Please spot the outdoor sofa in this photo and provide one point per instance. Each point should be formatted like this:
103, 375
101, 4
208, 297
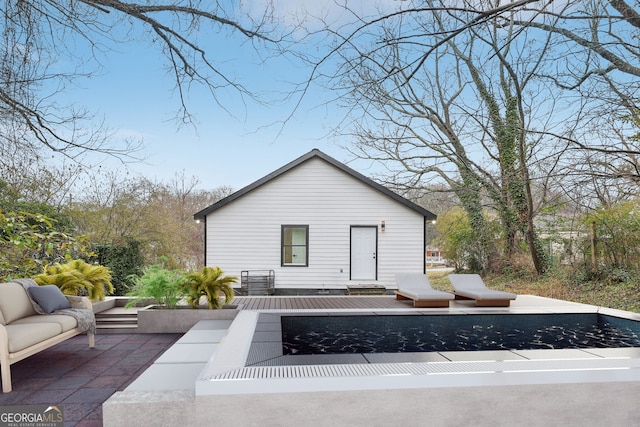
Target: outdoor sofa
32, 321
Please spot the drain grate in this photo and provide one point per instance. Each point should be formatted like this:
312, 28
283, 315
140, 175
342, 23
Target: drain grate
426, 368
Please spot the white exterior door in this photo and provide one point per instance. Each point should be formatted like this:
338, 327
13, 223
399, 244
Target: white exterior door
364, 253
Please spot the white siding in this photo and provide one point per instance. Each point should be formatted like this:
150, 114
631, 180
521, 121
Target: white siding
245, 234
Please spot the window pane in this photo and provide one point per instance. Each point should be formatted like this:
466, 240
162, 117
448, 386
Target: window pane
288, 255
295, 236
299, 255
299, 236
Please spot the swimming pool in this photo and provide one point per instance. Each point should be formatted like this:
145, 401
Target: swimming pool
250, 361
469, 332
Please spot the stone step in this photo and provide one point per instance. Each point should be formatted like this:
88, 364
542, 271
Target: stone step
116, 316
119, 311
116, 326
117, 320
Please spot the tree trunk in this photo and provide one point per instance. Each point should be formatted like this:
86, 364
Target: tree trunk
594, 258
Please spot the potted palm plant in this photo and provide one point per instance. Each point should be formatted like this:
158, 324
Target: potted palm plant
210, 283
78, 277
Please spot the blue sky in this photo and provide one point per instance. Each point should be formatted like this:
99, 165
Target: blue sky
135, 96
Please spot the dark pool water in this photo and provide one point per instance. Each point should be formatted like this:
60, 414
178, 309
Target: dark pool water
409, 333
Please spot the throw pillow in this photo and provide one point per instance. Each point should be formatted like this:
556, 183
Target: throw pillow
49, 297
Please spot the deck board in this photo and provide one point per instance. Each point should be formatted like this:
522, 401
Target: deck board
319, 302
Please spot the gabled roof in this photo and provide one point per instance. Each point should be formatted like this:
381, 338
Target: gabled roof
314, 154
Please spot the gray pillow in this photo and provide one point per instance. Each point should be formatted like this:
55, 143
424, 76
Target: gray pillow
49, 297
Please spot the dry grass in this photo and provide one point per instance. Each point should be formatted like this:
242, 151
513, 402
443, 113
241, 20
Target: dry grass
622, 296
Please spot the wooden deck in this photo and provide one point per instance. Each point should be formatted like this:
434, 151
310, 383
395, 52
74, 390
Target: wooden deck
319, 302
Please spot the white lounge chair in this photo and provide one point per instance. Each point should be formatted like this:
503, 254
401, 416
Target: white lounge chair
416, 287
471, 286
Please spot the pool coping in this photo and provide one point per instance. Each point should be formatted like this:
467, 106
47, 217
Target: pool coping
230, 372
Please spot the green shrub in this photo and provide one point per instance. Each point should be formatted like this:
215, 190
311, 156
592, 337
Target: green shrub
29, 241
604, 274
125, 260
159, 284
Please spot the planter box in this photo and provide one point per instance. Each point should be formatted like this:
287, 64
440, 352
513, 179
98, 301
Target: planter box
159, 320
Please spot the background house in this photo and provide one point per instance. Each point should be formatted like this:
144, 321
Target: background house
434, 257
319, 226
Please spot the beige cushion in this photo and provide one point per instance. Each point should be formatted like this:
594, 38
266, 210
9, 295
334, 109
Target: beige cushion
14, 302
2, 322
66, 322
23, 336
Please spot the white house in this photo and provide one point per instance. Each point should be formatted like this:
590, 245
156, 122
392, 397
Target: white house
319, 226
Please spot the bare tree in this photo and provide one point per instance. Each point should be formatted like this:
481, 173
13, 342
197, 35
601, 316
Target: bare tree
557, 97
38, 36
462, 116
596, 60
158, 215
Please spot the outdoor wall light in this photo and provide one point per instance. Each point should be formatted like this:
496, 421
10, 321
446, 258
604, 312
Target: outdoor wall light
382, 226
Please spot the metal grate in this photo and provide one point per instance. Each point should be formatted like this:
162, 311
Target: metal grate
424, 368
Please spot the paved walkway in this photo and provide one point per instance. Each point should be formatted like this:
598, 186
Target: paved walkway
79, 379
